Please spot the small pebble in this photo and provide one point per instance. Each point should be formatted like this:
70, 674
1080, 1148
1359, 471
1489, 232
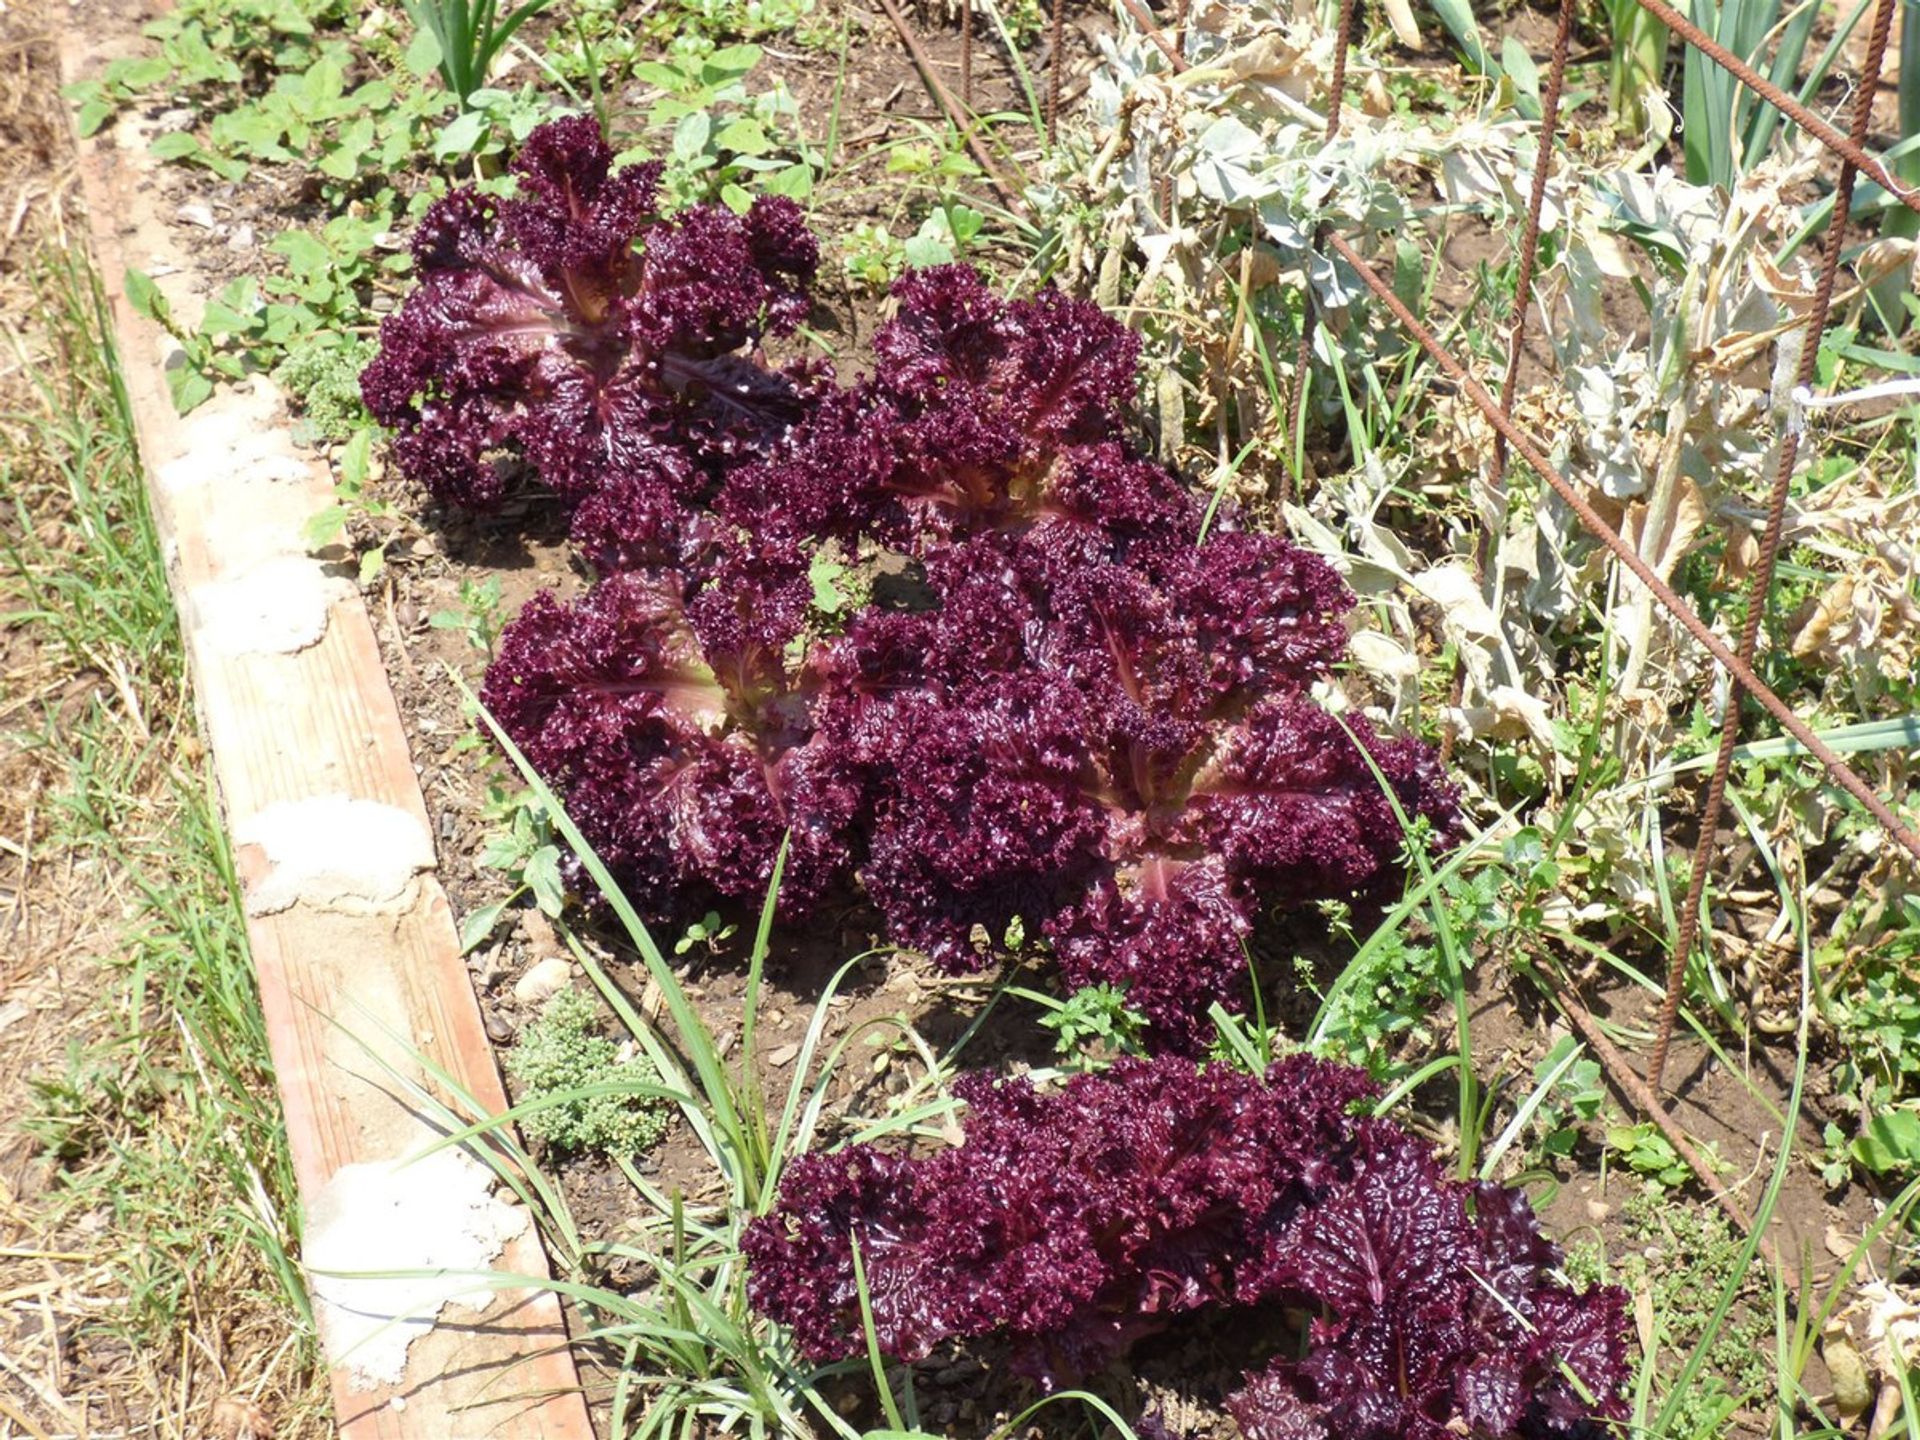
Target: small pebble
242, 239
545, 979
499, 1029
195, 212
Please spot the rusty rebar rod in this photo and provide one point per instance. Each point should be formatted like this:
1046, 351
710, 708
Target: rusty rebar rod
1530, 236
1056, 45
1522, 304
956, 116
1635, 1089
966, 56
1760, 584
1530, 452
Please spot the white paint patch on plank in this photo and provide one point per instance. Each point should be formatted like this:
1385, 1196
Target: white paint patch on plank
335, 852
377, 1219
279, 607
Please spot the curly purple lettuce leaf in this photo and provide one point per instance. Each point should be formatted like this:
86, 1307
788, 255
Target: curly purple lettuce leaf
677, 733
1072, 1223
537, 329
983, 415
1436, 1313
1127, 764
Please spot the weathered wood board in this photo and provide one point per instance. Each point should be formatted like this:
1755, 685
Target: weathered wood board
360, 972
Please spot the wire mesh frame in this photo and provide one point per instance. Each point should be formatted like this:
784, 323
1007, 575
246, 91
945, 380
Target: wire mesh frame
1855, 160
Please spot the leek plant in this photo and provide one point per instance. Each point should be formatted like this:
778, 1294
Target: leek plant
1726, 128
1636, 69
462, 38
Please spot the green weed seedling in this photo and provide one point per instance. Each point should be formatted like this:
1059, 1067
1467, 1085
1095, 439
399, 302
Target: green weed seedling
1647, 1152
1683, 1257
1387, 993
1573, 1093
311, 305
1093, 1026
321, 375
478, 617
302, 106
871, 256
190, 382
1889, 1144
793, 20
524, 850
352, 501
944, 236
209, 48
722, 137
709, 930
493, 123
1567, 1092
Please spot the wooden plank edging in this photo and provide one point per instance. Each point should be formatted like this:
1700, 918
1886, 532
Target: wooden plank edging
352, 937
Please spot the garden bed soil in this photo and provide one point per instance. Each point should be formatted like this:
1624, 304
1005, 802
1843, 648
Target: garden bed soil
1182, 1376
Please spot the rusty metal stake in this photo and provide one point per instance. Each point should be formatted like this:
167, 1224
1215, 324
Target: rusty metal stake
966, 56
1760, 586
1621, 1073
1056, 43
1522, 305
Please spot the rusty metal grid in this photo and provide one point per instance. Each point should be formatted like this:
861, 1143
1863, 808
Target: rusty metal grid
1854, 159
1849, 149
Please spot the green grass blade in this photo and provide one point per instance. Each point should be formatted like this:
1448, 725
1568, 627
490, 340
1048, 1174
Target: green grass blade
749, 1083
716, 1084
874, 1358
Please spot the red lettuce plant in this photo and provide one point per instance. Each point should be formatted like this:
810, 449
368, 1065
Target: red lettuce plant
1070, 1224
537, 327
670, 712
1097, 724
1124, 759
983, 415
1071, 711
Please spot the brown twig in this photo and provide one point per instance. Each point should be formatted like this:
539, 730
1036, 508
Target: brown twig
956, 116
1529, 450
1760, 586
